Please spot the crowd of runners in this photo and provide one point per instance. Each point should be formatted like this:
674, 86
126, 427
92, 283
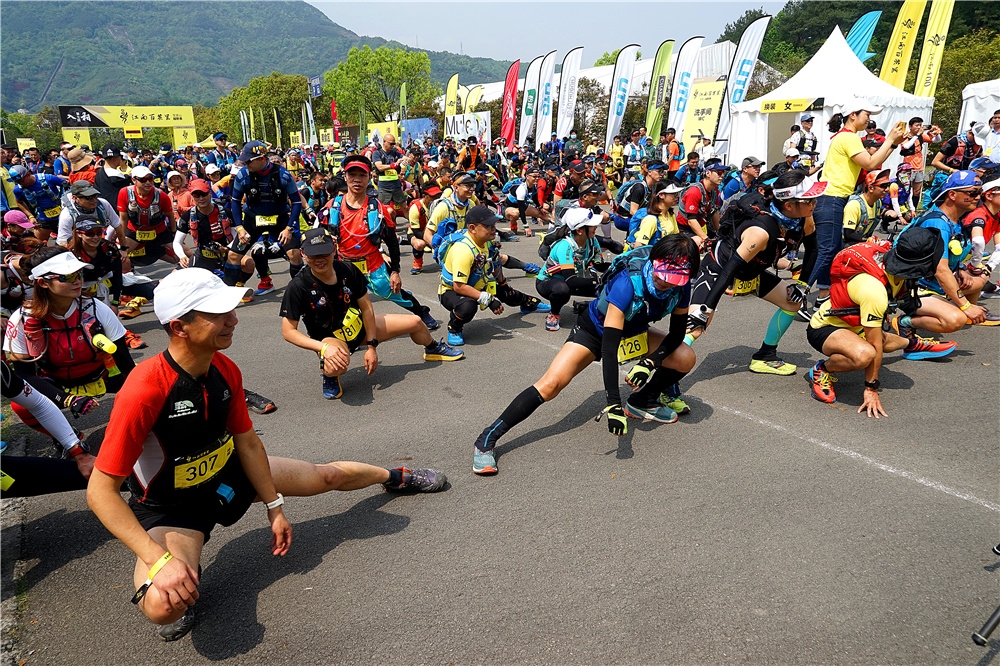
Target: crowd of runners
873, 260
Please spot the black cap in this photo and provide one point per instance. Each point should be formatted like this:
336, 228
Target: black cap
317, 242
916, 253
111, 150
577, 166
472, 141
589, 187
481, 215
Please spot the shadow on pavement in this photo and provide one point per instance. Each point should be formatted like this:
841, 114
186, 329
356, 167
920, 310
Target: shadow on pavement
575, 419
359, 387
244, 567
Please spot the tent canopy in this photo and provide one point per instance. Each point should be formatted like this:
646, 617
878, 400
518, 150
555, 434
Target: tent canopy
834, 74
979, 101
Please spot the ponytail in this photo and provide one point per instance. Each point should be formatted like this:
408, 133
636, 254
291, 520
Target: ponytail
836, 122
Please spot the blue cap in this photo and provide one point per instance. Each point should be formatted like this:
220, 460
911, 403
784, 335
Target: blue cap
655, 165
960, 180
983, 163
252, 150
219, 135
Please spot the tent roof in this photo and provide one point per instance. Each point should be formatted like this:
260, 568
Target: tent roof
836, 74
982, 89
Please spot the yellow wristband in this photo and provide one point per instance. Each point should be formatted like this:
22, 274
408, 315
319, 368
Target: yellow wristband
155, 569
322, 352
963, 308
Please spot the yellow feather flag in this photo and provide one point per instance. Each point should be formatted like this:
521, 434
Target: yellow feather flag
934, 39
472, 99
451, 97
897, 54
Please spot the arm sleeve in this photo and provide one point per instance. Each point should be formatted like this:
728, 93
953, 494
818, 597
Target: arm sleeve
179, 243
810, 252
734, 265
295, 202
609, 364
116, 274
672, 340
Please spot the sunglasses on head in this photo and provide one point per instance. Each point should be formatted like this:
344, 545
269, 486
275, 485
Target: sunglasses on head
65, 279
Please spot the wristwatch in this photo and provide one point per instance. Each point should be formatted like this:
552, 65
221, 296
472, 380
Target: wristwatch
873, 385
77, 449
373, 343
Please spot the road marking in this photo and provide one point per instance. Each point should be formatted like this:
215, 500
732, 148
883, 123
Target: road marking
930, 483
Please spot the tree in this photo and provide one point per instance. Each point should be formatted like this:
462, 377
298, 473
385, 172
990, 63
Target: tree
610, 58
734, 30
371, 80
964, 62
285, 92
591, 114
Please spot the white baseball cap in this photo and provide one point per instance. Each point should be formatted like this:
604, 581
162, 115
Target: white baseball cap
578, 218
210, 169
64, 263
792, 152
190, 289
807, 189
862, 104
140, 172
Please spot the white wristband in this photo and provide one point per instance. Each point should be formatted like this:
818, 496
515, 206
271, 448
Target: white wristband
276, 503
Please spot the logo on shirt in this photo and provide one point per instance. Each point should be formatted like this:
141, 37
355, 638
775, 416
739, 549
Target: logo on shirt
183, 408
874, 317
226, 394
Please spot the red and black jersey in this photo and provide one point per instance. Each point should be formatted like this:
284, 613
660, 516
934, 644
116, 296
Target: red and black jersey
164, 418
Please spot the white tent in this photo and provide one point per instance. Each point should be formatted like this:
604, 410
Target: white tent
834, 74
979, 101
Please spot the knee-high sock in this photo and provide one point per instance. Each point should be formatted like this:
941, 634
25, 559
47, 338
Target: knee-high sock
231, 274
514, 262
293, 269
520, 409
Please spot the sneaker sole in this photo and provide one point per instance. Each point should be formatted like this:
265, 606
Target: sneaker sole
920, 356
439, 357
485, 471
968, 322
645, 416
775, 371
263, 293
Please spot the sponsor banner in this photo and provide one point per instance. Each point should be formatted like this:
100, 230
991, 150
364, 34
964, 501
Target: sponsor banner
24, 144
79, 136
707, 97
126, 116
569, 79
933, 51
470, 124
793, 105
658, 88
546, 97
377, 130
529, 101
184, 136
896, 62
621, 83
680, 90
417, 129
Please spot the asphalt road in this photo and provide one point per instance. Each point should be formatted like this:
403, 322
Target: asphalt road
764, 527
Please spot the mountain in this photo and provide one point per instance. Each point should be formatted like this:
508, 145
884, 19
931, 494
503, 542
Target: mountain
176, 52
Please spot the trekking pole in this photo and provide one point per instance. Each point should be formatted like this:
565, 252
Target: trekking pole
982, 636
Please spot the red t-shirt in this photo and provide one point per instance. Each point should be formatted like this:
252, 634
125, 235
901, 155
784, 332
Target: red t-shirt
143, 220
355, 244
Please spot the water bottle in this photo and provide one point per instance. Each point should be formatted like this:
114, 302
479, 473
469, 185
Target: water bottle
101, 341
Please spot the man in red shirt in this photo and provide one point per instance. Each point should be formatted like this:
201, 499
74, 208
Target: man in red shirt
700, 204
181, 435
149, 218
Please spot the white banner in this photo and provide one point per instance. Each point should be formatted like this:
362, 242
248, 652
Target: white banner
740, 74
621, 83
680, 90
530, 101
313, 138
546, 97
568, 81
465, 125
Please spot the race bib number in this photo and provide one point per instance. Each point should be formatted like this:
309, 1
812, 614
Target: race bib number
741, 287
351, 327
191, 471
360, 264
633, 347
52, 212
267, 220
211, 254
389, 174
145, 236
94, 389
138, 252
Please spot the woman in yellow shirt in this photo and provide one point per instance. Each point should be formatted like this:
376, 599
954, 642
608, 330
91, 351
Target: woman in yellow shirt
844, 161
660, 220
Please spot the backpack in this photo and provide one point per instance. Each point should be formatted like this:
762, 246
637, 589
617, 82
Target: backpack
511, 185
549, 239
373, 218
253, 187
854, 260
740, 208
682, 151
623, 192
634, 223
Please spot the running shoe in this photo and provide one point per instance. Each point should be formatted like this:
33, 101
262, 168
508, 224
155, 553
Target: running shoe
657, 412
532, 269
332, 388
265, 286
507, 237
672, 398
992, 319
535, 305
822, 383
134, 341
455, 339
418, 265
259, 403
430, 322
806, 312
180, 628
439, 351
773, 366
130, 311
908, 332
989, 294
483, 462
924, 348
552, 322
420, 480
249, 297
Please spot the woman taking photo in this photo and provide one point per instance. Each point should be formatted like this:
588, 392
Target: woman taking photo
845, 159
73, 341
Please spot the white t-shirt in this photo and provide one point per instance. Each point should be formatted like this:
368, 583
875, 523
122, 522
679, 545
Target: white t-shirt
66, 221
521, 192
14, 340
706, 152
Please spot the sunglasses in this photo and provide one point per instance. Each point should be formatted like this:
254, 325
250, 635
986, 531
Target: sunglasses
92, 197
92, 233
147, 179
972, 193
66, 279
199, 194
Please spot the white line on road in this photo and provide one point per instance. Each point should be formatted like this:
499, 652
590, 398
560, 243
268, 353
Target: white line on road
930, 483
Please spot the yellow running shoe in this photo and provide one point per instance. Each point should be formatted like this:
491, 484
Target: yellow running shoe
774, 366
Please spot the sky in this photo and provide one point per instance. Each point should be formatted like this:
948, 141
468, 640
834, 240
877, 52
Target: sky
502, 30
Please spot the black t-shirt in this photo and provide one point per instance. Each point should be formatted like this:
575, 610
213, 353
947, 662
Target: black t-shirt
637, 194
109, 186
322, 306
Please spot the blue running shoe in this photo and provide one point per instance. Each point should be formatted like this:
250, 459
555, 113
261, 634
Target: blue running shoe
455, 339
484, 463
332, 388
429, 321
532, 269
265, 286
657, 413
535, 305
439, 351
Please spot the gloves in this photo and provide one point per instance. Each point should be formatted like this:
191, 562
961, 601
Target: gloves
797, 291
79, 404
639, 374
484, 299
617, 423
699, 318
496, 306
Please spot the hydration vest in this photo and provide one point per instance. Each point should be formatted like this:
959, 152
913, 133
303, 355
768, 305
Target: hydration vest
859, 258
36, 197
68, 355
200, 226
623, 192
636, 221
865, 225
373, 220
709, 204
633, 262
155, 218
258, 192
481, 267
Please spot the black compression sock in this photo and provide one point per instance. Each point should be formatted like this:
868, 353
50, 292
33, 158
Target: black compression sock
395, 479
661, 380
417, 254
514, 262
293, 269
518, 410
766, 353
244, 276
